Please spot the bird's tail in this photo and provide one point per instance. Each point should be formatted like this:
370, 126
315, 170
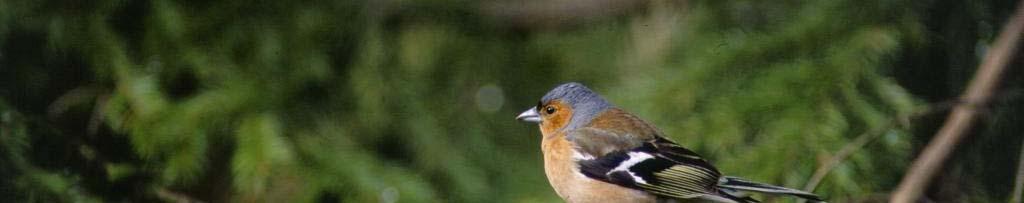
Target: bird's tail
746, 185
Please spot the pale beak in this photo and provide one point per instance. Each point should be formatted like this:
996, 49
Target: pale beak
530, 115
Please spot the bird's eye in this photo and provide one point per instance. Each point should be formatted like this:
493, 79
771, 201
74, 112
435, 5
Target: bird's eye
549, 110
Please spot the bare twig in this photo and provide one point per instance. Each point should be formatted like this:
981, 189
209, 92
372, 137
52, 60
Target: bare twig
71, 98
1018, 184
172, 196
864, 139
98, 111
845, 152
960, 120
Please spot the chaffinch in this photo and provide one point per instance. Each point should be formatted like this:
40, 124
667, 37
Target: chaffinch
596, 152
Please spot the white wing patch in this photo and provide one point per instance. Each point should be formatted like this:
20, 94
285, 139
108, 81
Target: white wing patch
579, 156
576, 155
634, 158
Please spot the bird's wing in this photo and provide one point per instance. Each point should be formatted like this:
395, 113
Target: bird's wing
661, 167
594, 142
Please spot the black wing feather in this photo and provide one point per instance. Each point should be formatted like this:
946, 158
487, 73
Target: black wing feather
601, 168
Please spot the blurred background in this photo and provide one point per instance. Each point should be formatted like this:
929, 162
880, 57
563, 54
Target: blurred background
413, 101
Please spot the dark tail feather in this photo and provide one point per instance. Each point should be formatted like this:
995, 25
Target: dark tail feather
745, 185
737, 196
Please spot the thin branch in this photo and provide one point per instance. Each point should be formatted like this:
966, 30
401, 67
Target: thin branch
77, 96
845, 152
98, 111
172, 196
862, 140
867, 137
978, 92
1018, 185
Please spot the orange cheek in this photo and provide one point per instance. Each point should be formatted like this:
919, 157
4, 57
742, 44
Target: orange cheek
551, 124
555, 121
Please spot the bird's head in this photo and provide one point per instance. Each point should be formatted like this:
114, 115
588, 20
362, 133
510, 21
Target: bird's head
567, 107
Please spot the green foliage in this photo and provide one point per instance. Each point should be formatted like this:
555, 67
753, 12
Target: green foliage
412, 101
20, 179
806, 88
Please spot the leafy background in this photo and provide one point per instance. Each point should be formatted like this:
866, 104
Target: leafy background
412, 101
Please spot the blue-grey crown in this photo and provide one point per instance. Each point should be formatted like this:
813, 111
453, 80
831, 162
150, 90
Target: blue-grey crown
586, 104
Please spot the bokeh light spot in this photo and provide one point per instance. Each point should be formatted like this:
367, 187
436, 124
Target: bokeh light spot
489, 98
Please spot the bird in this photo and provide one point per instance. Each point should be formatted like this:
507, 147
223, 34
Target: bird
596, 152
